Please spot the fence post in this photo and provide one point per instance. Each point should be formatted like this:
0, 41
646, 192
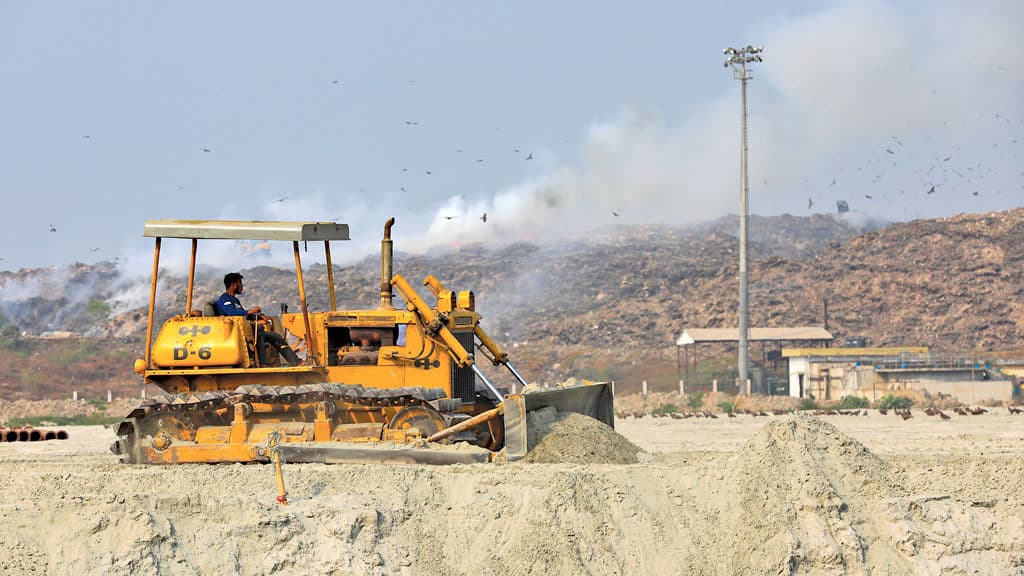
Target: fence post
613, 387
110, 396
74, 395
644, 387
682, 388
714, 385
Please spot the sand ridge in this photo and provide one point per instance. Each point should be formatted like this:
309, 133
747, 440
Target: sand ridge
792, 495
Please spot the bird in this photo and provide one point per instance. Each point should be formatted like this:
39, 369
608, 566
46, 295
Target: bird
810, 203
86, 136
206, 149
946, 159
450, 217
281, 200
833, 182
931, 190
428, 172
479, 159
405, 169
484, 217
402, 188
868, 196
334, 81
411, 123
53, 228
614, 213
889, 150
530, 156
94, 250
975, 193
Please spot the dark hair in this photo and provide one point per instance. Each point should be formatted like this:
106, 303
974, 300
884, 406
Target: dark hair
230, 279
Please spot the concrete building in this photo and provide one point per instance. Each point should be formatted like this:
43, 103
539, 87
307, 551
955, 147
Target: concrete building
832, 373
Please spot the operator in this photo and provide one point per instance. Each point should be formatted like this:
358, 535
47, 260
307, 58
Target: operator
229, 305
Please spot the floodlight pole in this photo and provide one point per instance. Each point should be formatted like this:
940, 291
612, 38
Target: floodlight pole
738, 60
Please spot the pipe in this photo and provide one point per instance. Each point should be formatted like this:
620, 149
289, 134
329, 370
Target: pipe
274, 441
311, 351
386, 258
467, 424
62, 435
191, 277
49, 435
330, 273
35, 435
487, 383
10, 435
152, 306
22, 435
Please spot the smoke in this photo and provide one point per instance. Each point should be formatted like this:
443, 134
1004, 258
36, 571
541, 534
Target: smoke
875, 102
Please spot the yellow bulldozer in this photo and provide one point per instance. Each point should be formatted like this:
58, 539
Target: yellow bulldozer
380, 385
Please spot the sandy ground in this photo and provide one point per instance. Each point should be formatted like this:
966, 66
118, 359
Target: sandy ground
774, 495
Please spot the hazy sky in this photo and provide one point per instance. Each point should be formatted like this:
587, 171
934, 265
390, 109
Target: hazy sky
117, 112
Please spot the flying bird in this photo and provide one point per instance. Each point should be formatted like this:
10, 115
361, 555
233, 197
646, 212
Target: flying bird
450, 217
403, 188
479, 159
889, 150
334, 81
484, 217
281, 200
86, 136
868, 196
614, 213
411, 123
530, 157
53, 228
94, 250
428, 172
810, 203
833, 182
931, 190
975, 192
206, 149
946, 159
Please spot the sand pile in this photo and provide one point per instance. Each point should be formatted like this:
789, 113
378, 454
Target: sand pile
568, 437
800, 497
803, 498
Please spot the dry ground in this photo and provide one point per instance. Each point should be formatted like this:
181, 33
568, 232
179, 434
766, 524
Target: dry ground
775, 495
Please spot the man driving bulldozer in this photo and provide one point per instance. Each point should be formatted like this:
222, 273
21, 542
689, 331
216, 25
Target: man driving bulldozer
229, 305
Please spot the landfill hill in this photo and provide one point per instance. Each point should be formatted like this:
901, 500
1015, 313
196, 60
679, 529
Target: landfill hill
623, 294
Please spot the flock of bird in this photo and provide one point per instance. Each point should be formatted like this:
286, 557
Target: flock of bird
943, 171
905, 414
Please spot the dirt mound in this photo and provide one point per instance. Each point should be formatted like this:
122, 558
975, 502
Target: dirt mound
568, 437
801, 497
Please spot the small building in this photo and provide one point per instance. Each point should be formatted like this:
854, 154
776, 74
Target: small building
689, 341
831, 374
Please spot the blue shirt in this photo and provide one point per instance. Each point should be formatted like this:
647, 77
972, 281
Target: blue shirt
228, 305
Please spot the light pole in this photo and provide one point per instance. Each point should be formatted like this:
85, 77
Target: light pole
738, 58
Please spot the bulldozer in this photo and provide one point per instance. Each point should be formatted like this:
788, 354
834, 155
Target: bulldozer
390, 384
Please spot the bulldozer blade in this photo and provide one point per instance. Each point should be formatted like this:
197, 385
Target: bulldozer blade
594, 400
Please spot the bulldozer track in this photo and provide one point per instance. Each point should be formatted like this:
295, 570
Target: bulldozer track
353, 393
215, 408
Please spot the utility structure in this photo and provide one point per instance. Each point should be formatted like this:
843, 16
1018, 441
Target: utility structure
737, 59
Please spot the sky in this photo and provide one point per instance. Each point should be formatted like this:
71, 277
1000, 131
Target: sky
552, 118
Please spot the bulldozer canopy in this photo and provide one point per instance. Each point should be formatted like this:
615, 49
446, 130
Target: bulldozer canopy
246, 230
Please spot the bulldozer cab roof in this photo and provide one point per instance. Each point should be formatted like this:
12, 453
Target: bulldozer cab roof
246, 230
